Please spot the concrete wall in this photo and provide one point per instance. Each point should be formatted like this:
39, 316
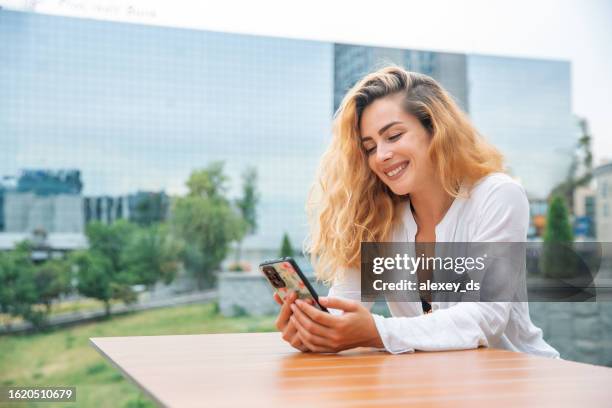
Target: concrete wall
250, 293
26, 212
579, 331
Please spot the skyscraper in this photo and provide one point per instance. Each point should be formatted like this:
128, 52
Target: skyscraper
138, 108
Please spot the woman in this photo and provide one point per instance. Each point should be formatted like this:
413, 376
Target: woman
405, 164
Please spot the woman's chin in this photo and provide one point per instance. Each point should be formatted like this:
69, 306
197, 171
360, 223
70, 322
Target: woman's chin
400, 189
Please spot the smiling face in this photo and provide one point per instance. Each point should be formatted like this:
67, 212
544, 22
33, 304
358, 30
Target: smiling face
396, 145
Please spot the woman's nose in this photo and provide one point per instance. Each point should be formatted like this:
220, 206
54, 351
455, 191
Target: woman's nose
384, 154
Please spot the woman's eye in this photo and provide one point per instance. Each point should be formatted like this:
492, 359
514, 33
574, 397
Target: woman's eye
370, 150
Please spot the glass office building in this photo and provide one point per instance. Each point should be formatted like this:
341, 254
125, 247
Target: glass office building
1, 208
523, 106
42, 200
138, 108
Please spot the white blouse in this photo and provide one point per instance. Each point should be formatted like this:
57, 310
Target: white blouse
496, 210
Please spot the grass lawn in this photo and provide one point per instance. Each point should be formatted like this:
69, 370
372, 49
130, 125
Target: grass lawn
64, 357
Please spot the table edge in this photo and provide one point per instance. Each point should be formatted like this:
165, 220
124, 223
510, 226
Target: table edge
92, 341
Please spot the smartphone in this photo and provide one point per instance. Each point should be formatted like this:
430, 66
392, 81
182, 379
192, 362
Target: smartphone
285, 276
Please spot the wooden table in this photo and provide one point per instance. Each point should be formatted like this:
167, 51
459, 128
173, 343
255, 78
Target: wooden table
259, 369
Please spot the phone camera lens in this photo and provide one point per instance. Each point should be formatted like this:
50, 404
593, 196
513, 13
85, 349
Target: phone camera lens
274, 277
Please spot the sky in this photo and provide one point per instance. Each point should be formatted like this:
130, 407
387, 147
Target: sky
574, 30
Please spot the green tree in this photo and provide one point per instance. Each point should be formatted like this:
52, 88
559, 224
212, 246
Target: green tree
207, 222
17, 288
94, 276
286, 248
558, 259
101, 272
110, 240
247, 204
580, 171
52, 279
96, 280
209, 183
152, 254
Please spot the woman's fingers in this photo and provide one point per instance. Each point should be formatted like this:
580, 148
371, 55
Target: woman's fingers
339, 303
309, 324
323, 318
285, 312
289, 331
291, 336
284, 325
294, 337
312, 341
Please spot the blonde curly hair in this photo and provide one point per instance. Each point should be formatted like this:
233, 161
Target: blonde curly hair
348, 204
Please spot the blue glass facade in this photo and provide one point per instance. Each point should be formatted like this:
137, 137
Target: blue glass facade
523, 106
1, 208
139, 107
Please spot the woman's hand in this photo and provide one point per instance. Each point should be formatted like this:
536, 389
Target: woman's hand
283, 323
325, 333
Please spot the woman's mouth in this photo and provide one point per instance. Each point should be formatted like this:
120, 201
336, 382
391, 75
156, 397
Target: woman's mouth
397, 171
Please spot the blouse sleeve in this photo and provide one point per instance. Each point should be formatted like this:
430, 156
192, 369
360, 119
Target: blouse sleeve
504, 218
